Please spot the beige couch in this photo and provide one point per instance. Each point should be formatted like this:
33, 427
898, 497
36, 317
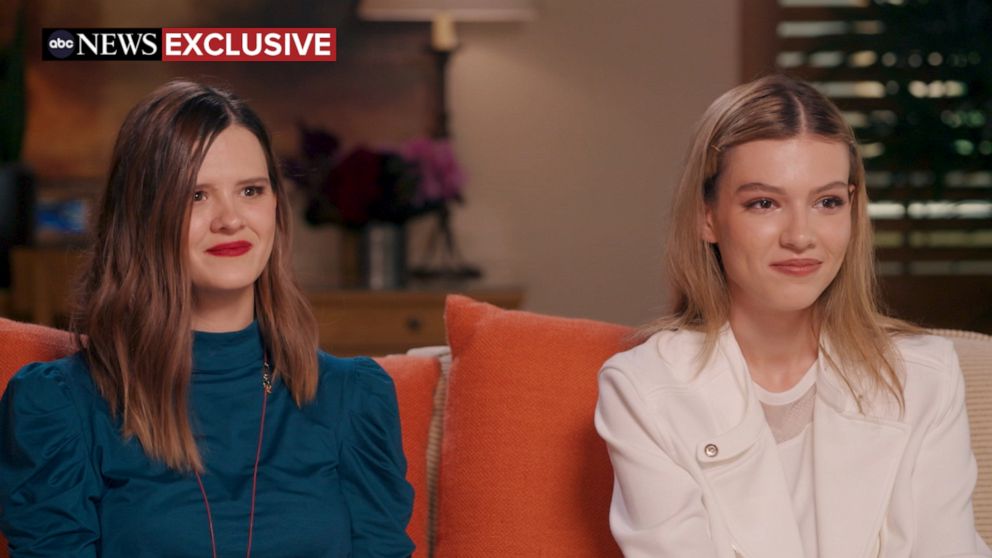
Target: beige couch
975, 354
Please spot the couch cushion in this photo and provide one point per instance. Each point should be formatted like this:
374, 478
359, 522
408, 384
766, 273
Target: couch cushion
523, 472
25, 343
975, 355
443, 355
416, 379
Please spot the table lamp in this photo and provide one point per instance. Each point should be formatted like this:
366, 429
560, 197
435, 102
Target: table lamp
443, 14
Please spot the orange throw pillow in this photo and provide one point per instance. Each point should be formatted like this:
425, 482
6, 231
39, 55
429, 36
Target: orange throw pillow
523, 472
415, 379
26, 343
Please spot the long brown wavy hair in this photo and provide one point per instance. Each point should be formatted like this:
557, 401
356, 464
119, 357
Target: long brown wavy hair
847, 312
134, 303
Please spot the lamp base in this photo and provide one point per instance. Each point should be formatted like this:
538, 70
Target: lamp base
441, 58
443, 261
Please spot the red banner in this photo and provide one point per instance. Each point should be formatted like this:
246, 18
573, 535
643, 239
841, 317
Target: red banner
229, 44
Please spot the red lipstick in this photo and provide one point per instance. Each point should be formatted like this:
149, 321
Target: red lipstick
230, 249
798, 267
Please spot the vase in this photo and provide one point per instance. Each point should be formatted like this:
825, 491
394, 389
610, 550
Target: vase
349, 259
383, 256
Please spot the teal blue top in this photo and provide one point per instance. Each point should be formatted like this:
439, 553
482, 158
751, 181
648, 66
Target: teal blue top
331, 476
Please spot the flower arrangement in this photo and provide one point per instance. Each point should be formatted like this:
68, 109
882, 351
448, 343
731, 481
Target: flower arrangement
368, 185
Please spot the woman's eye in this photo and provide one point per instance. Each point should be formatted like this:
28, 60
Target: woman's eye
251, 191
199, 196
832, 202
763, 203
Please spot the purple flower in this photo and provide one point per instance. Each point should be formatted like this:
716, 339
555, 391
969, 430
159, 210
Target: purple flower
367, 185
441, 179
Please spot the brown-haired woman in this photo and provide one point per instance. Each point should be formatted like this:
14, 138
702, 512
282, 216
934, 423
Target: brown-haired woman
199, 418
777, 412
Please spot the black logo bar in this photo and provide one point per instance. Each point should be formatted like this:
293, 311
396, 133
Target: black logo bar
126, 43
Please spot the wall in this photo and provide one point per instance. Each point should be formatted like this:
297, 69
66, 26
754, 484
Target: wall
571, 127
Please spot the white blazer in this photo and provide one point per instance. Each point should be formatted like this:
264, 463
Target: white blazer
697, 471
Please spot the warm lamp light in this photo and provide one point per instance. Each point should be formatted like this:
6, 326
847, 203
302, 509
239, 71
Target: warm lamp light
444, 13
443, 35
460, 10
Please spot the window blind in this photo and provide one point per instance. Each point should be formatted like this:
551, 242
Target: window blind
914, 79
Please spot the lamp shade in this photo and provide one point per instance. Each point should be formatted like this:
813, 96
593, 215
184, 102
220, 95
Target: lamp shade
458, 10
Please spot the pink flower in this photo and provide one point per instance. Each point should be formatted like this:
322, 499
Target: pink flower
441, 179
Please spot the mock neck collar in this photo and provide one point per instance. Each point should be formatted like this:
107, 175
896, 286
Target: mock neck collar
830, 383
227, 350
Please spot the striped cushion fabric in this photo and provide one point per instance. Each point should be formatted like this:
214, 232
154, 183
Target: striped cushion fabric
975, 355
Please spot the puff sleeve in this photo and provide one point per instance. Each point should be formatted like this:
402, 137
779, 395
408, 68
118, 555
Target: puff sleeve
379, 498
48, 485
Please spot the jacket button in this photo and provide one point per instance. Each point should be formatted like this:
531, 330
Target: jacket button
711, 450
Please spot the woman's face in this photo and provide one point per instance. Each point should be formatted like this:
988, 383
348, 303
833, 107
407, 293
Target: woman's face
782, 221
233, 217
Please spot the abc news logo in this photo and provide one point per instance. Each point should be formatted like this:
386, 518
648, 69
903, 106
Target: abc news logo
101, 44
192, 44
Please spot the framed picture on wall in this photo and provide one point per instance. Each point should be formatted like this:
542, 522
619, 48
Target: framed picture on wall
63, 210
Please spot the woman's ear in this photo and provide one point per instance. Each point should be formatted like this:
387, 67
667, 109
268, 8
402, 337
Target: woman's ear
708, 226
850, 191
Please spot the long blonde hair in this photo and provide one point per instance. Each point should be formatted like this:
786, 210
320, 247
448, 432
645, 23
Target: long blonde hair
847, 312
135, 298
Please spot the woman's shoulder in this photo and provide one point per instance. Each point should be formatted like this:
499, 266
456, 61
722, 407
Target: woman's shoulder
52, 383
53, 396
932, 373
353, 373
666, 357
926, 353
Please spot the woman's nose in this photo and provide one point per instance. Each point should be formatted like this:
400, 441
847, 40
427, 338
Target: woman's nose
798, 235
226, 216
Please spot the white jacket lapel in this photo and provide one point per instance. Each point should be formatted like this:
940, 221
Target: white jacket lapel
745, 473
855, 463
749, 486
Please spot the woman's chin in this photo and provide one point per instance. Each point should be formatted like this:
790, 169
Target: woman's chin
223, 289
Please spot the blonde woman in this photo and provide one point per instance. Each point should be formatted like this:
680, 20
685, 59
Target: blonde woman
777, 412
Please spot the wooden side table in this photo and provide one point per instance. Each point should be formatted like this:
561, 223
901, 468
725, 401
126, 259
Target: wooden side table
41, 283
352, 322
388, 322
5, 303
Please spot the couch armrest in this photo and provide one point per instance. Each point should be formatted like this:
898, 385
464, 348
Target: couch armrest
443, 354
975, 356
